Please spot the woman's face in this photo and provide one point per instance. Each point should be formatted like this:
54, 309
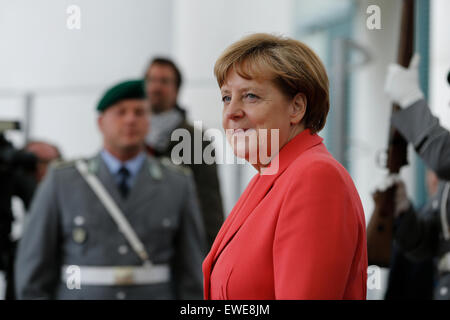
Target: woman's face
252, 105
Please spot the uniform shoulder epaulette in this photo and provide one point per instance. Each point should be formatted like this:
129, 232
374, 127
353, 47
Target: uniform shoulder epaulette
166, 162
61, 164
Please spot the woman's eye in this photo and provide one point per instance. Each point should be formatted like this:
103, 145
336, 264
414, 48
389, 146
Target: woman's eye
226, 99
251, 96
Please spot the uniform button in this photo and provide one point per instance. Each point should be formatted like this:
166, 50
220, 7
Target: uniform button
79, 235
443, 291
123, 249
120, 295
435, 204
78, 220
166, 222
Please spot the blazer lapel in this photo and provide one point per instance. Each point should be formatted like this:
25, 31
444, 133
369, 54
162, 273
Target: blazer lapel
232, 216
218, 242
257, 193
249, 200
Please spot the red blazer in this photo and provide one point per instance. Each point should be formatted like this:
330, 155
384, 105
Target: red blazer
298, 234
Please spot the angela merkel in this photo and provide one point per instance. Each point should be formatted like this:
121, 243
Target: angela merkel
297, 232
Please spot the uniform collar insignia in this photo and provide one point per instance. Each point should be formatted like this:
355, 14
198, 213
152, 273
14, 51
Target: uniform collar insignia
155, 170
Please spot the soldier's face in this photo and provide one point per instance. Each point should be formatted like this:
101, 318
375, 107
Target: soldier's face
125, 125
161, 88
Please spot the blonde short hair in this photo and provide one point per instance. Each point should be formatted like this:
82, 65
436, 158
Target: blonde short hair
292, 65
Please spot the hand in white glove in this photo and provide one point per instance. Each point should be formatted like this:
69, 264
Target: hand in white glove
402, 85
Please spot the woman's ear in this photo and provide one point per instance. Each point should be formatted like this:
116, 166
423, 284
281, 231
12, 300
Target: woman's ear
298, 109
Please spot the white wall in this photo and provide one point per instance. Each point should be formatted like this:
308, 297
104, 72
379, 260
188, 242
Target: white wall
69, 69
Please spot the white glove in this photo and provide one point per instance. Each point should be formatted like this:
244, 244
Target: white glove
402, 85
387, 182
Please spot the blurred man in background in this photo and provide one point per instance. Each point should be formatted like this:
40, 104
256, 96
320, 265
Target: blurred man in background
120, 225
163, 81
45, 153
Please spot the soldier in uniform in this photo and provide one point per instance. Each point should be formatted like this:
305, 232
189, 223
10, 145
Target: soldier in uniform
121, 225
424, 234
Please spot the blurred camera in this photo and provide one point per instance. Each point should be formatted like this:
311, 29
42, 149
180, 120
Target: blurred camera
11, 158
16, 170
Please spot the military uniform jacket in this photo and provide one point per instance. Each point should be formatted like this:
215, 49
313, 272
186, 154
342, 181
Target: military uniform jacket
420, 235
68, 225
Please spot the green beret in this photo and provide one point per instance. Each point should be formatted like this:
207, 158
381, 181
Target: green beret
133, 89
